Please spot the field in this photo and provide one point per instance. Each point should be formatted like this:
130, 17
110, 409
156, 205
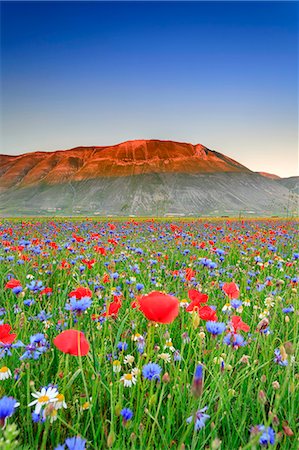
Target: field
206, 361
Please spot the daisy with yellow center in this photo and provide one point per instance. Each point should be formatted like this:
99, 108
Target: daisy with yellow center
226, 307
129, 359
85, 406
44, 397
184, 303
5, 373
165, 356
128, 379
135, 371
60, 403
116, 366
168, 345
136, 337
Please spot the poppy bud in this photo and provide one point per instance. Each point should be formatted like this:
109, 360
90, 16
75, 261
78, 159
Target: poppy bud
286, 429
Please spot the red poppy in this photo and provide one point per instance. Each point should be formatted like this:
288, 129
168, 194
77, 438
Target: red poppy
238, 324
12, 283
100, 250
106, 278
159, 307
196, 298
47, 291
72, 342
231, 290
80, 292
189, 274
113, 308
207, 313
5, 337
89, 262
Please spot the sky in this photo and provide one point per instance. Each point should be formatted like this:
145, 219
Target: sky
223, 74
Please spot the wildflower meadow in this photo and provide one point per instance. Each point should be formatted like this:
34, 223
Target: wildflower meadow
149, 334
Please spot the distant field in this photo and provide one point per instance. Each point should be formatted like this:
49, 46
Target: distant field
208, 360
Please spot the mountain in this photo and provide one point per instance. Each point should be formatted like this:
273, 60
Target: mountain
291, 183
272, 176
141, 177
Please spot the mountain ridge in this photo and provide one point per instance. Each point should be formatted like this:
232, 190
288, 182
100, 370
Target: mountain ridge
146, 177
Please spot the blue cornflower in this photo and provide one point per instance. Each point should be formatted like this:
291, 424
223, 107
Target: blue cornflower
78, 306
151, 371
198, 372
139, 286
122, 346
16, 290
29, 302
235, 340
38, 345
126, 414
236, 303
197, 384
74, 443
278, 358
7, 408
177, 356
288, 309
35, 286
215, 328
43, 316
200, 418
38, 418
267, 437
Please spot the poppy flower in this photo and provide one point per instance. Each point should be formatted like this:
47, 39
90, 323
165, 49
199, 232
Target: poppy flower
231, 290
89, 262
12, 283
207, 313
189, 274
80, 292
72, 342
113, 308
196, 298
238, 324
159, 307
5, 337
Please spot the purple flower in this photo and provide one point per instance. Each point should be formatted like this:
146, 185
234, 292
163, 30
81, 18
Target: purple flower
7, 408
278, 358
197, 385
267, 437
235, 340
151, 371
126, 414
78, 306
122, 346
236, 303
215, 328
200, 419
288, 309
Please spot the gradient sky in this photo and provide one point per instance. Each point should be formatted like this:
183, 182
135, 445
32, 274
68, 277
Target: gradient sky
99, 73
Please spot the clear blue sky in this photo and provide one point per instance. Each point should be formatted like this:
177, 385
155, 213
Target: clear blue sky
217, 73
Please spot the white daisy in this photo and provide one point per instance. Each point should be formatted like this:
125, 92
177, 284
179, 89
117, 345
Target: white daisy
169, 345
135, 371
60, 403
5, 373
129, 359
44, 397
165, 356
116, 366
128, 379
